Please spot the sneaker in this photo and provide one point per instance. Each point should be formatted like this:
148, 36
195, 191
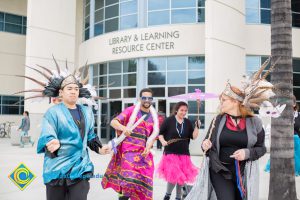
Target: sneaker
167, 197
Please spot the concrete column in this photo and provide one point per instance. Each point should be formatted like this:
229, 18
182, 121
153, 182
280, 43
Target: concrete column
47, 34
224, 46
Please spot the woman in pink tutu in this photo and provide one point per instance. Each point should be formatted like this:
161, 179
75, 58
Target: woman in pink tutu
176, 166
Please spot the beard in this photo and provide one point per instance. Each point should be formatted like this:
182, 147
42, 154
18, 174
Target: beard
146, 105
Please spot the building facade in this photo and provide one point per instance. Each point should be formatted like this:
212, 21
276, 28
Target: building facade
170, 46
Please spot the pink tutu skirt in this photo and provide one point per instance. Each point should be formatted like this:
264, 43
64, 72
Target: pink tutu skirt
177, 169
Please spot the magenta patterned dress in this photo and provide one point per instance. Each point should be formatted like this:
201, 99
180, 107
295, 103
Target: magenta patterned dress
128, 172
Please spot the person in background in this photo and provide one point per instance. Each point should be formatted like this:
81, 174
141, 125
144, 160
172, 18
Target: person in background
176, 166
24, 127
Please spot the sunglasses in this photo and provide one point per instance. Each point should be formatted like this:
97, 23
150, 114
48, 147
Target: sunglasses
146, 98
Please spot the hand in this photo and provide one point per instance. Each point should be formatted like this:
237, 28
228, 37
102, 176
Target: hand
206, 144
164, 143
239, 155
53, 145
146, 151
127, 131
198, 124
104, 150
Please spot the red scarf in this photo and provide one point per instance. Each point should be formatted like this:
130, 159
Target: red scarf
230, 124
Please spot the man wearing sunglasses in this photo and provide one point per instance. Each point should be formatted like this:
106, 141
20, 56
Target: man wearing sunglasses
130, 171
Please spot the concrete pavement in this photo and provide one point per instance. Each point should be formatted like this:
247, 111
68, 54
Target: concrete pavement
12, 156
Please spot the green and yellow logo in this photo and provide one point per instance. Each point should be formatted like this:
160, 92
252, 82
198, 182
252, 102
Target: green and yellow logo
21, 176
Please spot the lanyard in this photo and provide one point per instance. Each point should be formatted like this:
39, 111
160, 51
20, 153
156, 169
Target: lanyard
181, 130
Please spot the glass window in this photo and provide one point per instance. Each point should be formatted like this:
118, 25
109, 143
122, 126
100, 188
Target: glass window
10, 110
252, 15
10, 99
109, 2
176, 63
115, 80
24, 30
129, 80
99, 4
158, 92
183, 16
193, 107
99, 15
201, 15
1, 17
192, 88
87, 10
156, 78
296, 79
158, 4
13, 28
201, 3
297, 93
172, 91
103, 69
129, 66
295, 6
196, 77
128, 7
24, 21
87, 22
103, 81
112, 11
156, 64
265, 3
177, 77
183, 3
296, 65
265, 16
296, 19
158, 17
127, 22
111, 25
14, 19
98, 29
115, 67
95, 81
103, 93
115, 93
95, 70
252, 4
196, 63
86, 34
1, 26
193, 118
129, 93
252, 63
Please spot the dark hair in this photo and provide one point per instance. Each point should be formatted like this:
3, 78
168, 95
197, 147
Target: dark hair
177, 106
27, 113
146, 90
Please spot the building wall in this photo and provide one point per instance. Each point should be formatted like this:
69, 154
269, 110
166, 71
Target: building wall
48, 34
12, 55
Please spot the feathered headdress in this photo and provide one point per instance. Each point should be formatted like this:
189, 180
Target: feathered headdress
256, 89
58, 79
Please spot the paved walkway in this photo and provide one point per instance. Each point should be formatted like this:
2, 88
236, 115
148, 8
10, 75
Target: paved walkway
12, 156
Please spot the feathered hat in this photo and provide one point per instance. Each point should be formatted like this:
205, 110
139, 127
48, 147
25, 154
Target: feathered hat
58, 79
256, 89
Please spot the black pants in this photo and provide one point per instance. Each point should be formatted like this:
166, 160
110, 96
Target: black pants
159, 145
226, 189
78, 191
